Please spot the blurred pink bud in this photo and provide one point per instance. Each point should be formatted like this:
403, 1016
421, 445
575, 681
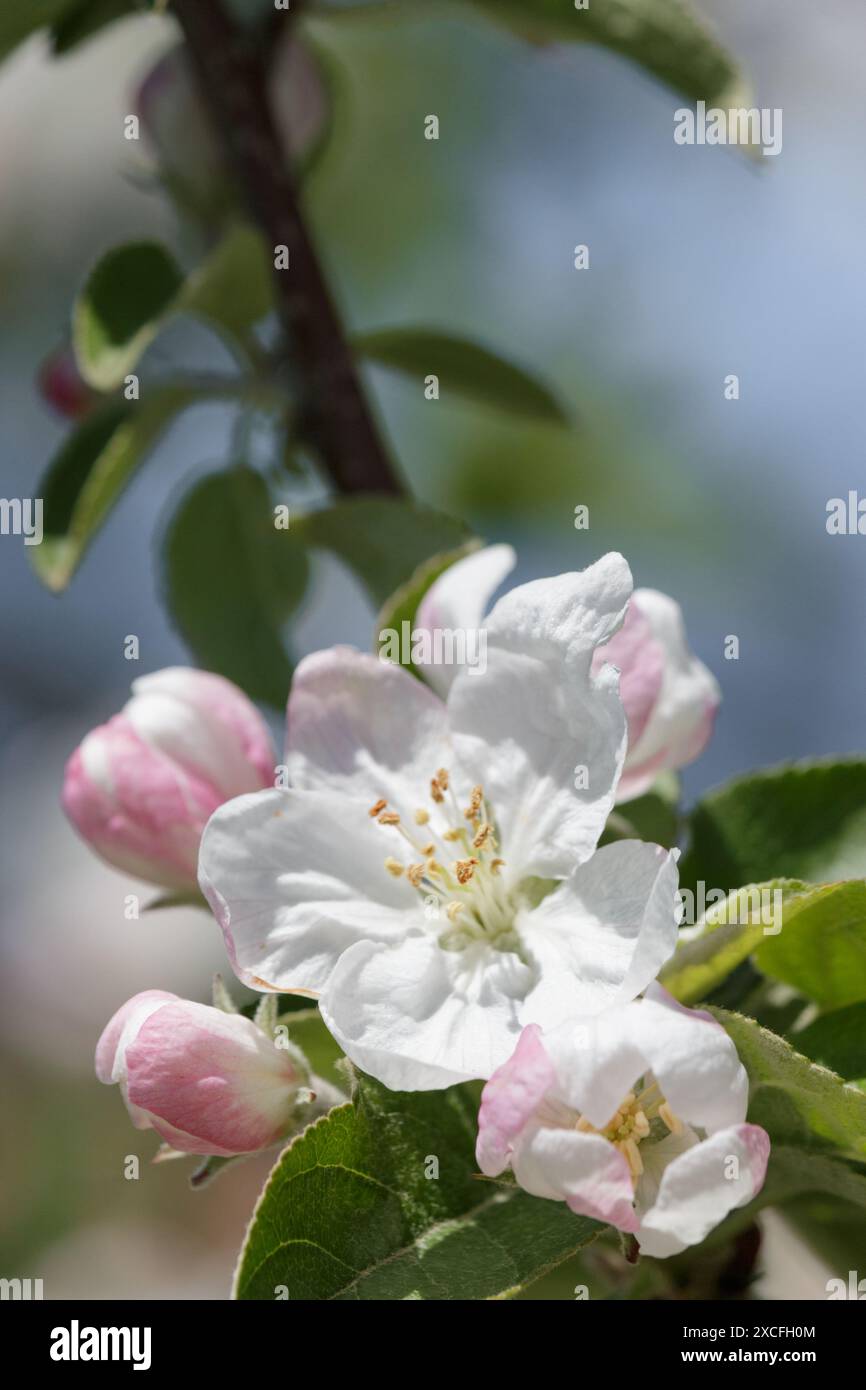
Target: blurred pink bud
63, 387
670, 697
208, 1082
176, 125
141, 788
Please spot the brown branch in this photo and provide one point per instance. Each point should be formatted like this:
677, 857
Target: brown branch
334, 416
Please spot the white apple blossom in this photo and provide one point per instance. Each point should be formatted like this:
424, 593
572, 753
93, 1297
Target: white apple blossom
431, 873
669, 695
635, 1117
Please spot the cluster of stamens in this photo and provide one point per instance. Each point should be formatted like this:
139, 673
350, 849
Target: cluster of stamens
468, 889
632, 1123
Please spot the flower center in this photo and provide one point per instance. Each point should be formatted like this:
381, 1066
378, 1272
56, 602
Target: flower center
632, 1123
454, 867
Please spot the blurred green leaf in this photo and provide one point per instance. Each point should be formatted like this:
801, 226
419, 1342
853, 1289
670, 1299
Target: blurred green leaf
667, 37
382, 539
232, 580
463, 368
308, 1032
233, 289
90, 472
350, 1213
796, 1101
731, 931
119, 311
81, 19
19, 20
135, 289
821, 949
837, 1040
800, 820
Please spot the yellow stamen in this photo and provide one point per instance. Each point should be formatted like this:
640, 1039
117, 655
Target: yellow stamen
464, 869
415, 873
394, 867
421, 816
442, 778
453, 911
389, 818
496, 865
378, 808
673, 1122
483, 836
474, 803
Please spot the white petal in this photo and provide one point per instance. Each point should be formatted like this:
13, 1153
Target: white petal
364, 727
700, 1187
458, 599
420, 1018
597, 1062
581, 1169
604, 933
693, 1060
523, 728
294, 878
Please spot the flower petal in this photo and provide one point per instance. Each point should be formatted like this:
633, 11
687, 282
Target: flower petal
215, 1079
523, 728
693, 1060
699, 1188
458, 599
640, 659
583, 1170
604, 933
682, 717
508, 1100
364, 727
420, 1018
294, 878
206, 724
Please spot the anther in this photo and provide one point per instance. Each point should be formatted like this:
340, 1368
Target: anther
415, 874
474, 803
389, 818
483, 836
378, 808
394, 867
673, 1122
421, 816
453, 910
464, 869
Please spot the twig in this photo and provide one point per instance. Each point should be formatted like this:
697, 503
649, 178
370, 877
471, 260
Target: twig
333, 414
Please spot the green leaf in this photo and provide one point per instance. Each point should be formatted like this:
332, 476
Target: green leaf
403, 605
821, 949
84, 18
90, 472
19, 21
134, 290
792, 1173
727, 934
653, 816
308, 1032
837, 1040
381, 539
119, 310
801, 820
798, 1102
463, 368
667, 37
233, 289
232, 580
349, 1213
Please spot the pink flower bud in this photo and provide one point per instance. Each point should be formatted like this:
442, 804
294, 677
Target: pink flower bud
208, 1082
63, 387
141, 788
669, 696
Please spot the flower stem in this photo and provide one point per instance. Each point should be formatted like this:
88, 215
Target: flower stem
334, 417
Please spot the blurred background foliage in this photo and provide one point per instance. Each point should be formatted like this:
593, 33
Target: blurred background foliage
702, 262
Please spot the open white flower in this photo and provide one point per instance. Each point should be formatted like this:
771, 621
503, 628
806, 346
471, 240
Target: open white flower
430, 874
669, 695
635, 1117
